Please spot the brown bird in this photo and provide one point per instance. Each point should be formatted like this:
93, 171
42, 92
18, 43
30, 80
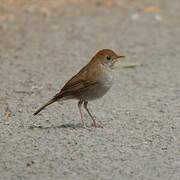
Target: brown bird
91, 82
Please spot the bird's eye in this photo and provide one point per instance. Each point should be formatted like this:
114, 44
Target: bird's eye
108, 58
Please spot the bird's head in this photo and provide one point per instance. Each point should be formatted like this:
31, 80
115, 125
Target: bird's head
107, 57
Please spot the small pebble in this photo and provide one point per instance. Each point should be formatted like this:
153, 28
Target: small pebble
158, 17
135, 17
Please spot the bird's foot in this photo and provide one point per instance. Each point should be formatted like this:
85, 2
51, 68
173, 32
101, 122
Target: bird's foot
97, 125
84, 126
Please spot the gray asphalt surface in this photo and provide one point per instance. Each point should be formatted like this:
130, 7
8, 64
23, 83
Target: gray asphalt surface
41, 50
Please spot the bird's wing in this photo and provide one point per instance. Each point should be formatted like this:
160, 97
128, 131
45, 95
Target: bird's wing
77, 86
78, 83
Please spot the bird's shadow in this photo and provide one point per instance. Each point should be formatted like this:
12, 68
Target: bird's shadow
63, 126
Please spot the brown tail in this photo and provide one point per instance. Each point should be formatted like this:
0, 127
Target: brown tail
47, 104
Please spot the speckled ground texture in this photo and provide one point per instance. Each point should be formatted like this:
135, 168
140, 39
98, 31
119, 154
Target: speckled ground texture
41, 48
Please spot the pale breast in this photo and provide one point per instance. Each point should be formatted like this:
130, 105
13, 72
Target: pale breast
105, 82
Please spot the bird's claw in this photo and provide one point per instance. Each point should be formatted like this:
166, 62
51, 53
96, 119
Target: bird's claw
97, 125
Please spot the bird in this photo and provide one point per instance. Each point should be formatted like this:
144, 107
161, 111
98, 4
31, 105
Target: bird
93, 81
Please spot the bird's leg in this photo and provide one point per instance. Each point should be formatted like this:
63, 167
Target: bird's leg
94, 121
80, 111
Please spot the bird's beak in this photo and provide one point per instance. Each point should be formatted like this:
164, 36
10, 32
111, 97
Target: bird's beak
118, 58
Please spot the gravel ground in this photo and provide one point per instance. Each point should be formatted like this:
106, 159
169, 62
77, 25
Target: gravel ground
41, 48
